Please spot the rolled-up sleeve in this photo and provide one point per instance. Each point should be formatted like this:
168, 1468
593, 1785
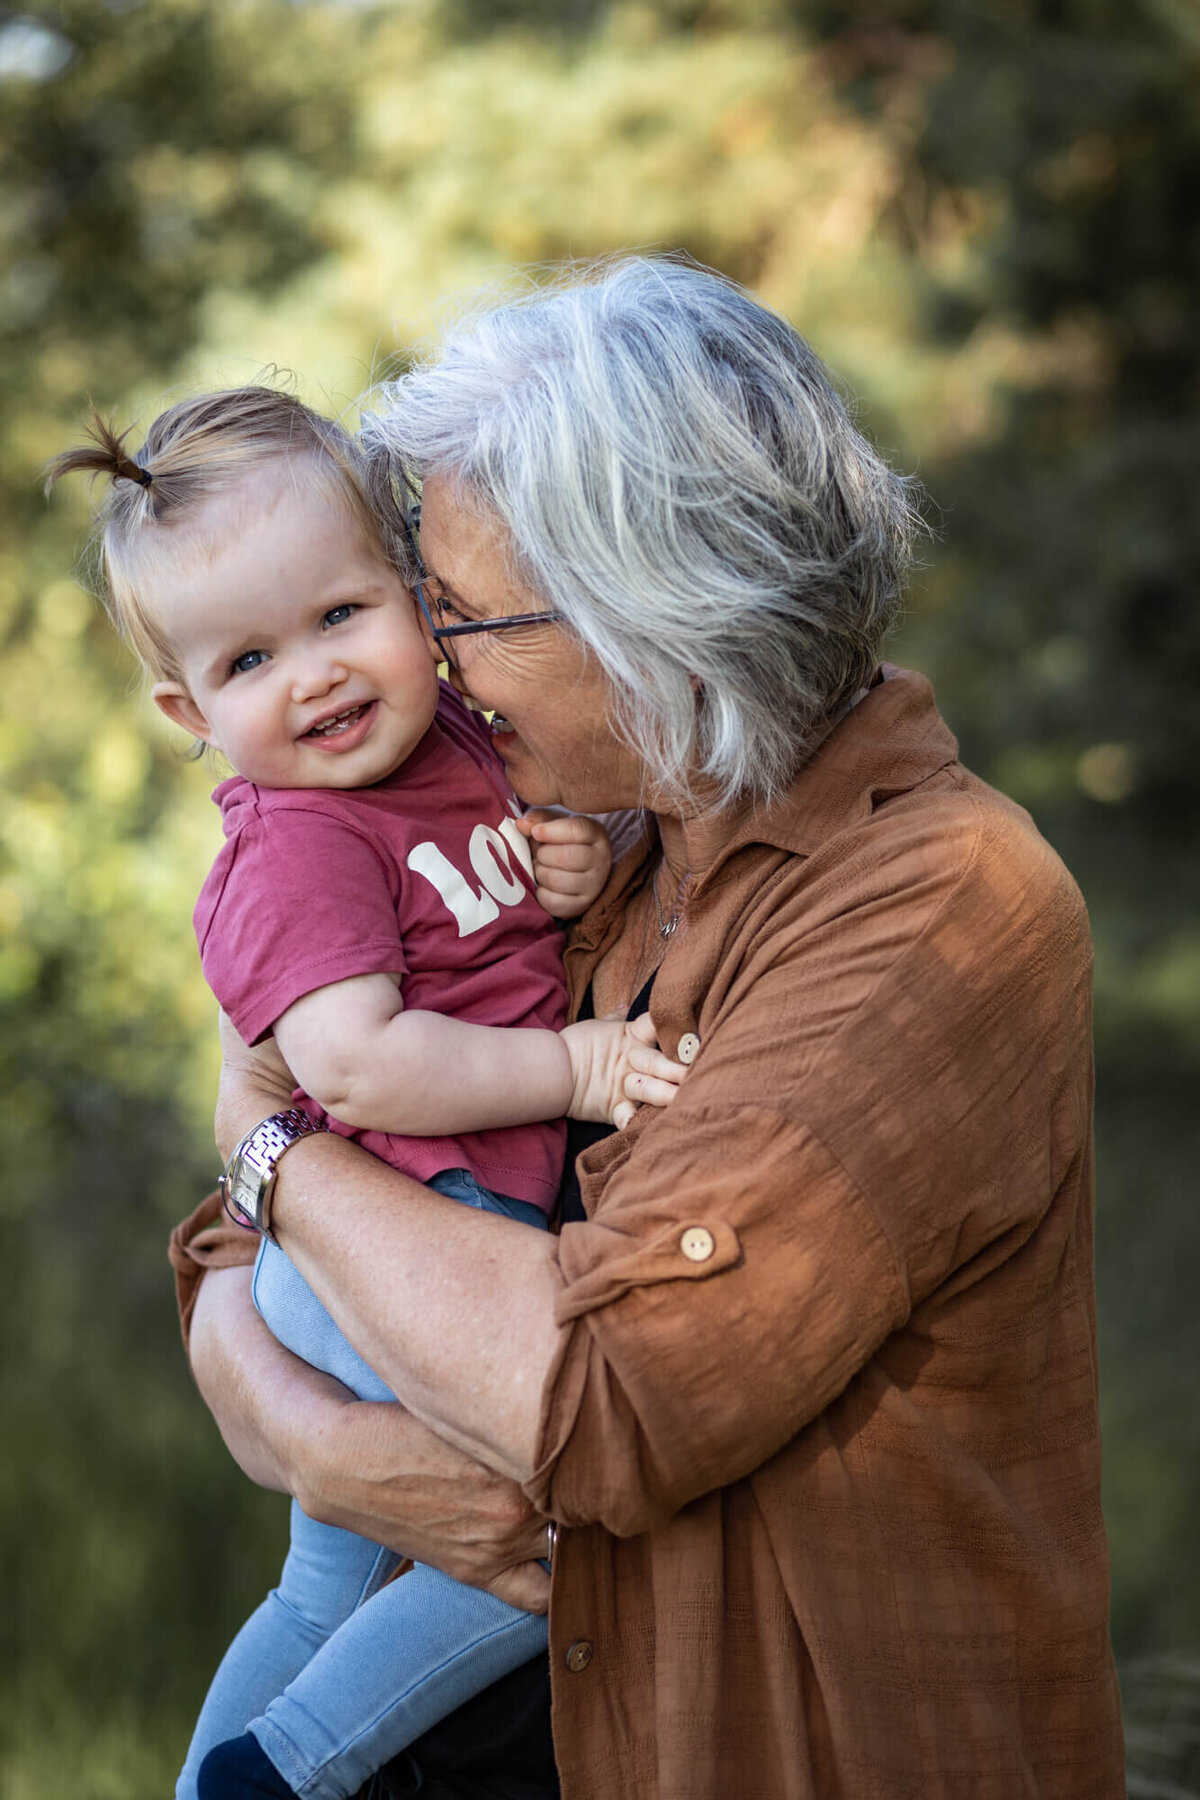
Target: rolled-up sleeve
205, 1240
696, 1344
890, 1090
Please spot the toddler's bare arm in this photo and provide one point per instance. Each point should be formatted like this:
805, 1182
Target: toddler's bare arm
375, 1066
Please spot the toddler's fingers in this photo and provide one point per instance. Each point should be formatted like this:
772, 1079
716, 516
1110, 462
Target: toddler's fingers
643, 1027
648, 1090
574, 829
572, 855
562, 900
563, 881
559, 906
623, 1111
644, 1059
559, 828
564, 892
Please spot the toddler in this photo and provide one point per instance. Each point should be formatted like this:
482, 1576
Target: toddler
373, 908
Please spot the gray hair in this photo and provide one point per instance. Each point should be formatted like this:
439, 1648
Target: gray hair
679, 479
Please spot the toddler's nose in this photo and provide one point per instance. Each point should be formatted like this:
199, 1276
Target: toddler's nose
316, 676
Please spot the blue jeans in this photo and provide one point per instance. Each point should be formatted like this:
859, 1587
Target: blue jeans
336, 1672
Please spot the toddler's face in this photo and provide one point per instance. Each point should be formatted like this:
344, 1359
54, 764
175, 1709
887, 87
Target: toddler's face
302, 656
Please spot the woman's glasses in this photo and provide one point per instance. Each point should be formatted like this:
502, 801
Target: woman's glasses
435, 606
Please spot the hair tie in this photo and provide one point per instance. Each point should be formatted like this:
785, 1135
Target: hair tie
129, 470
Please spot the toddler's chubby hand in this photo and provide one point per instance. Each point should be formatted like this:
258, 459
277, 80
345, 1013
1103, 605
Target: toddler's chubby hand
617, 1066
571, 859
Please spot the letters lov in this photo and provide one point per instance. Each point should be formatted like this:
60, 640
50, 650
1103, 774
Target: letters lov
491, 852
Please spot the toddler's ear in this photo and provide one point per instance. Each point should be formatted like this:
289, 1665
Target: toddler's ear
173, 699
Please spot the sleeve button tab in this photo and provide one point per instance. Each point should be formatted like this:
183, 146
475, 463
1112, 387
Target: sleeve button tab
687, 1048
579, 1656
697, 1244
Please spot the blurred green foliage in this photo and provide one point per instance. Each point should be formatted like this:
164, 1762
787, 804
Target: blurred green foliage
983, 215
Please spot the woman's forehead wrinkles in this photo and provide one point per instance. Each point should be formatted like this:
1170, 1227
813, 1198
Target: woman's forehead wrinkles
481, 600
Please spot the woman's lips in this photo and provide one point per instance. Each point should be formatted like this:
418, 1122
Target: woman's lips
344, 730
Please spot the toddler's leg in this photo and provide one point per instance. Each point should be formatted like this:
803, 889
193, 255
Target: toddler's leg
327, 1574
329, 1714
407, 1657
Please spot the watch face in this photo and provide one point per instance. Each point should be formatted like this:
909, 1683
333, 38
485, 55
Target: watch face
244, 1184
248, 1181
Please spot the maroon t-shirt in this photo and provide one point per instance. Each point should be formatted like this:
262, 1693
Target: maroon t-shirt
423, 876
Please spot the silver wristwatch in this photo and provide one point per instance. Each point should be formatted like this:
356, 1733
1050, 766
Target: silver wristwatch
249, 1178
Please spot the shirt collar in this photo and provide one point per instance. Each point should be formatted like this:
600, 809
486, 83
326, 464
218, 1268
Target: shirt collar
892, 740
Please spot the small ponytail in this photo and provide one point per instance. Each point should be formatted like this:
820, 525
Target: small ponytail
105, 455
198, 448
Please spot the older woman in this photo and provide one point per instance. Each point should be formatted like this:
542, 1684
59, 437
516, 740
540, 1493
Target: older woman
808, 1380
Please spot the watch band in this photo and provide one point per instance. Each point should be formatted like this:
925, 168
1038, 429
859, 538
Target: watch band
249, 1177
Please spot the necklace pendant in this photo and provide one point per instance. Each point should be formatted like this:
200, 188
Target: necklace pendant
666, 926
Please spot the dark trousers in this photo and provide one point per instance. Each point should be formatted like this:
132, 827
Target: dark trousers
496, 1747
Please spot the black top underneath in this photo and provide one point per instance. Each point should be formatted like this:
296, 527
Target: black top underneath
497, 1746
581, 1135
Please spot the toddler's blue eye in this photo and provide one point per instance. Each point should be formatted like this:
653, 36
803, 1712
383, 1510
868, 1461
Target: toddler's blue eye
337, 615
249, 659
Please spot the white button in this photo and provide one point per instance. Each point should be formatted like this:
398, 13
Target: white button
689, 1044
697, 1244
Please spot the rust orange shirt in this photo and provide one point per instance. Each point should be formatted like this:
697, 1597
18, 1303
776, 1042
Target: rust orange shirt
822, 1435
822, 1432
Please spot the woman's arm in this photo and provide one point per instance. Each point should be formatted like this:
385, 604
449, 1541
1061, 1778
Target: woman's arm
453, 1308
372, 1469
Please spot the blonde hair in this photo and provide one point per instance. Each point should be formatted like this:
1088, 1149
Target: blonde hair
201, 447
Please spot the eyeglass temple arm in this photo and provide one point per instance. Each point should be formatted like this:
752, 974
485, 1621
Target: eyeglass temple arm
470, 627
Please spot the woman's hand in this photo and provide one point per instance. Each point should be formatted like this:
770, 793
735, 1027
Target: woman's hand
375, 1470
372, 1469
